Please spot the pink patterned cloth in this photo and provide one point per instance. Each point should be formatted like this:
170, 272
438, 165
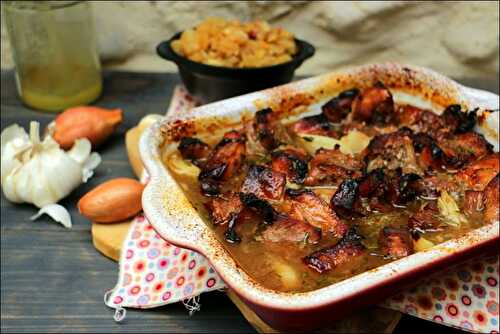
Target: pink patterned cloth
464, 297
154, 273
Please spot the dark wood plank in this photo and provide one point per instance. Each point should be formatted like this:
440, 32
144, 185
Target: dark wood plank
53, 280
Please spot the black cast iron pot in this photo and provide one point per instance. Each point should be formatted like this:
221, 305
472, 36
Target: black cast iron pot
212, 83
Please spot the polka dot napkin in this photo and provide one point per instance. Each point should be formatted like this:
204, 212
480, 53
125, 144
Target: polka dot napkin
154, 273
465, 297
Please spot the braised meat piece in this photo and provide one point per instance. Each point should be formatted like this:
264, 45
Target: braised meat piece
380, 143
400, 188
340, 106
346, 250
379, 190
374, 105
308, 207
288, 229
395, 242
452, 120
430, 187
346, 201
232, 135
372, 184
331, 167
391, 151
222, 163
383, 189
421, 140
431, 123
314, 125
431, 155
459, 121
477, 174
210, 180
259, 206
491, 201
421, 121
226, 210
433, 158
223, 208
465, 147
425, 219
291, 162
473, 202
264, 183
407, 115
379, 204
264, 123
193, 149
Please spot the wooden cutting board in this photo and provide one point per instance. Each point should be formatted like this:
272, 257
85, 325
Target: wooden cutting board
108, 239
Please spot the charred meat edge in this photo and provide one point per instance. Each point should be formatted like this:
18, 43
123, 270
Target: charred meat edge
395, 242
345, 250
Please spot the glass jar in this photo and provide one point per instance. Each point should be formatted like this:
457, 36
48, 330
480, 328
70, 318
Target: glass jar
55, 54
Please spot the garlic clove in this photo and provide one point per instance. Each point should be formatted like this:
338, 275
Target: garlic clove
88, 168
80, 150
13, 140
58, 187
56, 212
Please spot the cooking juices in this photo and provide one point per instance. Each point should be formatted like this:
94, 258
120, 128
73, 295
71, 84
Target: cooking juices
303, 204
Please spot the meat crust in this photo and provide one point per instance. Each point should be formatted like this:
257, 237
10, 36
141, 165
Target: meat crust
374, 105
392, 151
465, 147
425, 219
477, 174
307, 206
288, 229
395, 242
193, 149
339, 107
314, 125
264, 183
222, 208
292, 163
222, 163
347, 249
331, 167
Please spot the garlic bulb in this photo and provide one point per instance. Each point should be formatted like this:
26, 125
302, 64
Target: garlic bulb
40, 172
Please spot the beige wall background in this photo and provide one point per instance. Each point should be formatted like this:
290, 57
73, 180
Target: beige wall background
458, 38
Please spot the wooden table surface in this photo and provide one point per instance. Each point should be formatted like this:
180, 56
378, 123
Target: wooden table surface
53, 280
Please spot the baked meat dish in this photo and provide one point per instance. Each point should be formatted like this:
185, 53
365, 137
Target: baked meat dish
304, 203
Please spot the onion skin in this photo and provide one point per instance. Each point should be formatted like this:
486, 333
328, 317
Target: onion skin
95, 124
112, 201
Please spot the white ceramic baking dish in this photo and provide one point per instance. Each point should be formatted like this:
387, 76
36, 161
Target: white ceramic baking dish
177, 221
